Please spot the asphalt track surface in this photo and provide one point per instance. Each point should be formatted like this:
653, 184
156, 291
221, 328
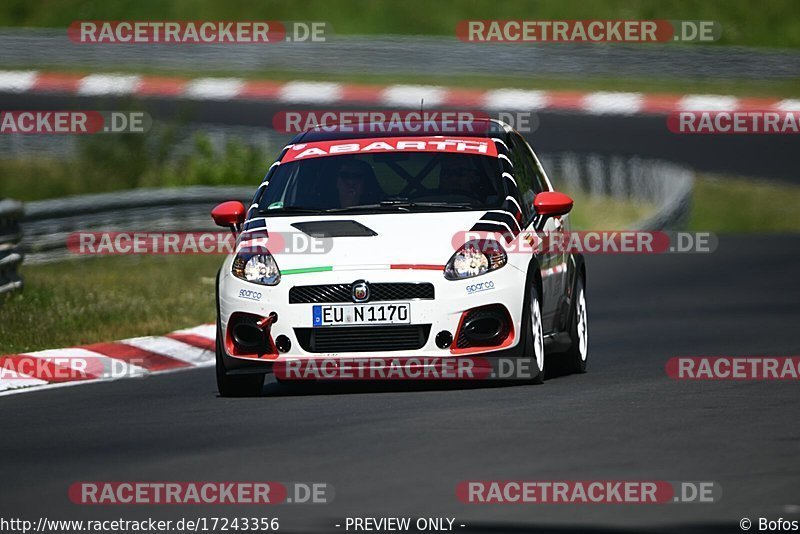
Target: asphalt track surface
762, 156
398, 450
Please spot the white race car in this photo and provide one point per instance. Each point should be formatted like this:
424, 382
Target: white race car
366, 244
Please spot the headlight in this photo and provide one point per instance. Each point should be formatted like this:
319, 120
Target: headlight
259, 268
475, 258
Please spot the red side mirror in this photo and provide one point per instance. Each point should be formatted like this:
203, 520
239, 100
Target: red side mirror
552, 204
229, 213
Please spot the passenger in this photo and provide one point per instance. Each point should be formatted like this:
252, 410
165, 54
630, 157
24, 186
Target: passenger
457, 177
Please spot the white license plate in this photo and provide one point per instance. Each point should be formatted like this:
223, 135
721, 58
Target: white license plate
361, 314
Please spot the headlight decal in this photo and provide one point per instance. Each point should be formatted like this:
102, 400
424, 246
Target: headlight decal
256, 267
475, 258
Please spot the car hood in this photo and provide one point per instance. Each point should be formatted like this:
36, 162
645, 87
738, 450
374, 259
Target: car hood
415, 238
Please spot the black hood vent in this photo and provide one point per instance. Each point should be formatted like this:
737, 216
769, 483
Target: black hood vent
346, 228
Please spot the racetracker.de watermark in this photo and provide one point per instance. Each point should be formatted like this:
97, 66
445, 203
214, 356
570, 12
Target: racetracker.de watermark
166, 243
73, 122
207, 492
406, 368
734, 122
588, 31
734, 368
67, 368
196, 32
429, 121
588, 242
587, 492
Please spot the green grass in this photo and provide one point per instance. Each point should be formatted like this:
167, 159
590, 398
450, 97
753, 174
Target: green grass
600, 213
107, 298
744, 22
106, 163
735, 205
35, 179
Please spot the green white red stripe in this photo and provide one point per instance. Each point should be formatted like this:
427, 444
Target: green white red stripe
372, 267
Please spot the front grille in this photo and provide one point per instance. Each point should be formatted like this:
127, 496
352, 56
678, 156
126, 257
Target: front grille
363, 338
331, 293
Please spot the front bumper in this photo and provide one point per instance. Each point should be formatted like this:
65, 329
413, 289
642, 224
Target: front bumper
452, 299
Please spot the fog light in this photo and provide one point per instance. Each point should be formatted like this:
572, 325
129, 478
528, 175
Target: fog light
283, 343
444, 339
247, 336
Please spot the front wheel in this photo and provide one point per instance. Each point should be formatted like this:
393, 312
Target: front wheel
533, 335
574, 359
248, 385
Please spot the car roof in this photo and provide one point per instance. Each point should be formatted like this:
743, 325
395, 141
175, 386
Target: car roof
479, 127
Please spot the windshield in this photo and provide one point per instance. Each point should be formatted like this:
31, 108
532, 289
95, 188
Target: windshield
385, 181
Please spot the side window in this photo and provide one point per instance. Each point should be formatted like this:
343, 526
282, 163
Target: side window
538, 181
523, 174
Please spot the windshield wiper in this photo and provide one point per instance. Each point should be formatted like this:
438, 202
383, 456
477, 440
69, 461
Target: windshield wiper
410, 204
292, 209
365, 207
404, 205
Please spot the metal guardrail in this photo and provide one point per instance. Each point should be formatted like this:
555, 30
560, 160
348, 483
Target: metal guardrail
48, 48
665, 185
48, 223
10, 255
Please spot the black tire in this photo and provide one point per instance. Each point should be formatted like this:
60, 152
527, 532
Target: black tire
574, 359
529, 340
248, 385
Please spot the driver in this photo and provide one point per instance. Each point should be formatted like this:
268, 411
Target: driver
351, 181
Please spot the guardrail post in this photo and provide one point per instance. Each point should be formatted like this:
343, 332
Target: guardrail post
10, 255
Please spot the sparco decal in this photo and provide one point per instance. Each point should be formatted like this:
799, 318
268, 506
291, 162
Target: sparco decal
249, 294
482, 286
